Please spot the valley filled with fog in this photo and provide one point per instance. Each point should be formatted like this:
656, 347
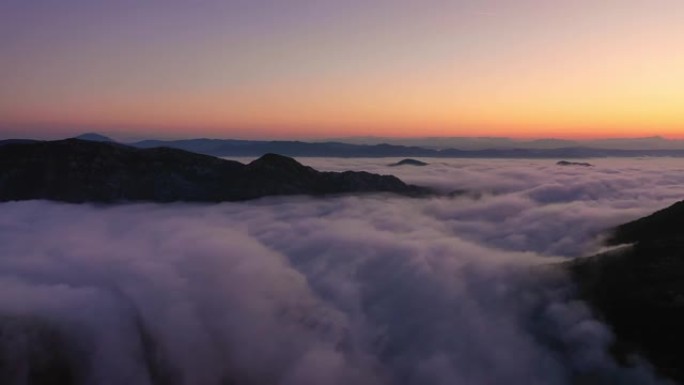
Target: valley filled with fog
353, 289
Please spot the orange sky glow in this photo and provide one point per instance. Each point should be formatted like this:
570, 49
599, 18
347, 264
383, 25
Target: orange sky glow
521, 69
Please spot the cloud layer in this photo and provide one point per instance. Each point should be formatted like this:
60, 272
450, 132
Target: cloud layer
363, 290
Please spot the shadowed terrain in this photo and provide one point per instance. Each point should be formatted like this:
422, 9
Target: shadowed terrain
87, 171
639, 289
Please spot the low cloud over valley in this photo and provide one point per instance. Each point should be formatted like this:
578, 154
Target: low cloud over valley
372, 289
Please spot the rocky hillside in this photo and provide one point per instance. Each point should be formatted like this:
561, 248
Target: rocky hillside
639, 289
77, 171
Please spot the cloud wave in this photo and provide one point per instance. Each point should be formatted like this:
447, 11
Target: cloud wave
363, 290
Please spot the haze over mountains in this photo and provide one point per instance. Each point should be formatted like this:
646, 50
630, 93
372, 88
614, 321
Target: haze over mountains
485, 143
456, 147
451, 147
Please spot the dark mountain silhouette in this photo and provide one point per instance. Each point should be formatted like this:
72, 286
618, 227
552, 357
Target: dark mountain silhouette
408, 162
567, 163
229, 147
75, 170
639, 289
485, 143
219, 147
661, 225
15, 141
525, 150
94, 137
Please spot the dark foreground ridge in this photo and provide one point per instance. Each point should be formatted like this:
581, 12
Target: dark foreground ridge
78, 171
639, 290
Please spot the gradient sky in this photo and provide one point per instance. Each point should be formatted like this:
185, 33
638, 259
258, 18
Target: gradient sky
320, 68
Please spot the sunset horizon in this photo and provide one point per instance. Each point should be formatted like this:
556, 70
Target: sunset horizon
527, 69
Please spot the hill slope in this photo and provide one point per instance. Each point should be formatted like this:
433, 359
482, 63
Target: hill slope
639, 290
75, 170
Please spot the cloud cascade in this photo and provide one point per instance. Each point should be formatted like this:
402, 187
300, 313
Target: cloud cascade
363, 290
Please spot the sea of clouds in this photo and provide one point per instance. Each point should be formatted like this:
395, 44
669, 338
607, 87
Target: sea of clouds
372, 289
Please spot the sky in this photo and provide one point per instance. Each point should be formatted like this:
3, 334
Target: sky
317, 69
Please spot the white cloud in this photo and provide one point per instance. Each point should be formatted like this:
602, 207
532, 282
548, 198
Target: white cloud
363, 290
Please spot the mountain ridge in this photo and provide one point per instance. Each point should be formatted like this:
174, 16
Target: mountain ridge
240, 148
551, 148
77, 171
638, 289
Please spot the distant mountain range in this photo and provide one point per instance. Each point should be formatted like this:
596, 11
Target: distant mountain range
95, 137
470, 148
76, 170
489, 143
227, 148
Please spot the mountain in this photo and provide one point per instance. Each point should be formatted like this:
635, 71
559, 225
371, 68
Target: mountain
15, 141
500, 148
666, 224
250, 148
408, 162
639, 289
75, 170
94, 137
503, 143
437, 143
566, 163
230, 147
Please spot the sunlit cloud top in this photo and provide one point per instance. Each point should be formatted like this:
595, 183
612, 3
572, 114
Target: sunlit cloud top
296, 68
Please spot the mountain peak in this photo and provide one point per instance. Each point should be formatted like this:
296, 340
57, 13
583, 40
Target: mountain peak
274, 160
408, 162
94, 137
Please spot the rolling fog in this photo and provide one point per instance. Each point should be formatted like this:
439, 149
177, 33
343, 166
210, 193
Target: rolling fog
372, 289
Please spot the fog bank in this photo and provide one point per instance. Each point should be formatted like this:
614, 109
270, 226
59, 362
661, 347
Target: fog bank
363, 290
